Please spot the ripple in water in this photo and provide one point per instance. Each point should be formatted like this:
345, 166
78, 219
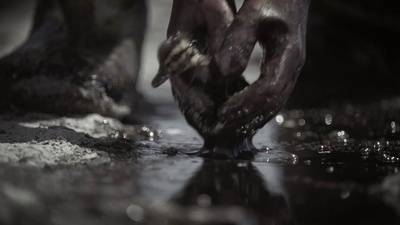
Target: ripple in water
276, 156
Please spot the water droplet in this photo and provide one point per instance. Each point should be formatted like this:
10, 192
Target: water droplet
116, 134
204, 200
307, 162
279, 119
330, 169
149, 133
302, 122
242, 164
243, 130
289, 123
387, 158
393, 126
339, 135
328, 119
323, 150
344, 194
365, 151
105, 121
135, 212
294, 159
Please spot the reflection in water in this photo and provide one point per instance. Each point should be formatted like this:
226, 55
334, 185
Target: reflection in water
334, 164
228, 192
230, 183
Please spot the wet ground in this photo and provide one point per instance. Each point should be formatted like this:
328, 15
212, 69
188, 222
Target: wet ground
336, 165
314, 167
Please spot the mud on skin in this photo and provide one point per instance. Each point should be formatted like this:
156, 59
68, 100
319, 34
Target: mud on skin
189, 77
215, 97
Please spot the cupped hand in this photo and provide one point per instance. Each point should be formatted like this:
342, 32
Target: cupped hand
215, 99
279, 26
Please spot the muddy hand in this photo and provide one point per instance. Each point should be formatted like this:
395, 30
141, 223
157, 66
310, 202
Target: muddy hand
195, 32
198, 20
279, 26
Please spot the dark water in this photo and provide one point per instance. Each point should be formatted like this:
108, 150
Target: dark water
315, 166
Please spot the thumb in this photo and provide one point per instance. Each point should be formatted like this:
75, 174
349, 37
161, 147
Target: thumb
218, 15
240, 39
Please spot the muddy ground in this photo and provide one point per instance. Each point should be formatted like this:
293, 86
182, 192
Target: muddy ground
315, 166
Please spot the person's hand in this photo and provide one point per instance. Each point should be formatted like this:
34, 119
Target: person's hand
202, 19
196, 25
205, 21
221, 104
280, 27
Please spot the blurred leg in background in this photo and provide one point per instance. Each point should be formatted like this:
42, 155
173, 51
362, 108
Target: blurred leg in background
80, 57
84, 56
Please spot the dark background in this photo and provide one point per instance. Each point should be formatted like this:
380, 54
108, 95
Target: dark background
352, 52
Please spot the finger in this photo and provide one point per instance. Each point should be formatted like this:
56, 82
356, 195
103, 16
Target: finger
283, 43
259, 102
240, 39
253, 100
249, 110
218, 15
270, 91
232, 5
185, 17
